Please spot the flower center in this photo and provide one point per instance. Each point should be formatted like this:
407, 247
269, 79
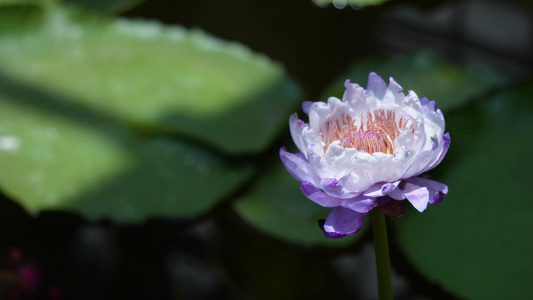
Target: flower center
376, 135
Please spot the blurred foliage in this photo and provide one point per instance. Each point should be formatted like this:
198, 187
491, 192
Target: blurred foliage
477, 242
164, 78
72, 82
104, 6
19, 2
427, 74
71, 160
352, 3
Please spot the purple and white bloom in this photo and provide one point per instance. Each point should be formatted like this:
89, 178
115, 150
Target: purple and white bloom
368, 150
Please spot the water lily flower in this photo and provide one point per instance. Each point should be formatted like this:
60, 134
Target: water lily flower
368, 151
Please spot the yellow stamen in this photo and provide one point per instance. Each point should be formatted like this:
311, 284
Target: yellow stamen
377, 135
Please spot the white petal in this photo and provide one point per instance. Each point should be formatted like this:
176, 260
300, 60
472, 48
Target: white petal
296, 126
320, 113
396, 90
358, 100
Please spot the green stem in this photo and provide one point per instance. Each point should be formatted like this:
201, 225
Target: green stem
379, 228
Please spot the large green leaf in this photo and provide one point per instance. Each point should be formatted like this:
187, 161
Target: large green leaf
276, 206
425, 73
477, 243
54, 156
165, 78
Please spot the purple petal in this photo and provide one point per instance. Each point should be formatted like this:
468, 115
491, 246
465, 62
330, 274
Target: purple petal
417, 195
389, 187
376, 85
420, 192
316, 195
419, 198
381, 189
298, 166
424, 101
306, 105
331, 186
431, 104
342, 222
334, 187
360, 204
437, 191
